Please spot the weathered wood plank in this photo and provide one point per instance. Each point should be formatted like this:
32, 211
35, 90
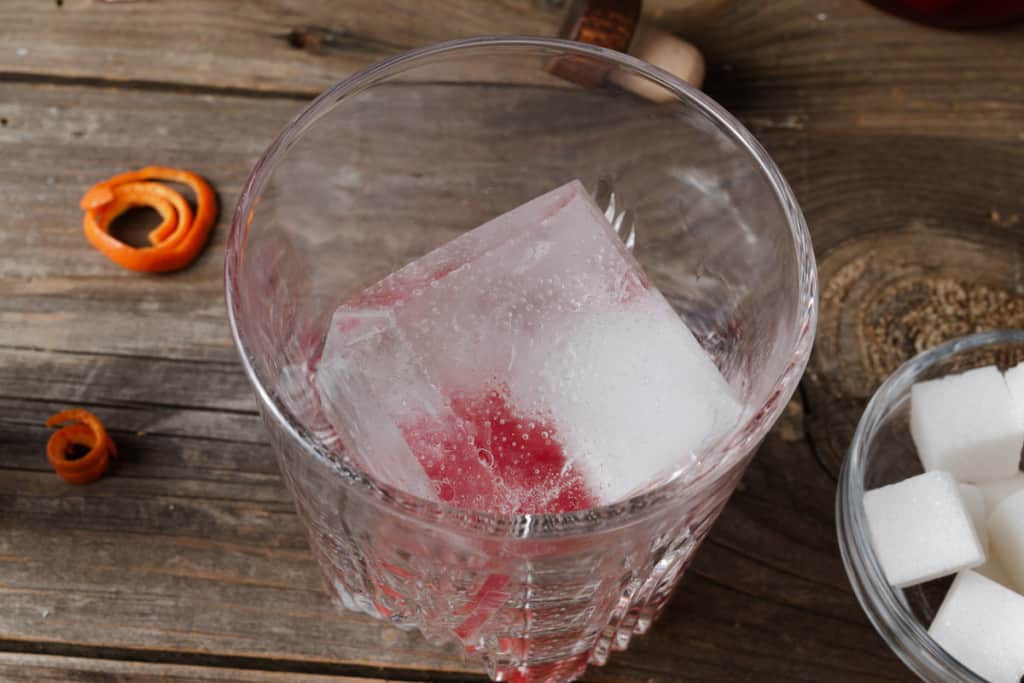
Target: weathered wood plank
61, 287
147, 418
60, 293
747, 601
183, 555
107, 379
782, 51
190, 546
272, 46
33, 668
900, 141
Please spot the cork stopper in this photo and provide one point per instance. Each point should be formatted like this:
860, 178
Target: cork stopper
664, 50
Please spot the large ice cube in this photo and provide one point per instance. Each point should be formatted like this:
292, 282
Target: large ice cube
363, 347
527, 366
629, 390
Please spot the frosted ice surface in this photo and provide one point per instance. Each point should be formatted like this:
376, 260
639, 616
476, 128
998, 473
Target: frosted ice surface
638, 398
528, 365
364, 346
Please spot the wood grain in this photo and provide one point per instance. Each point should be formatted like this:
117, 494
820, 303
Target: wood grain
59, 293
901, 142
29, 668
191, 546
202, 555
748, 609
280, 47
798, 58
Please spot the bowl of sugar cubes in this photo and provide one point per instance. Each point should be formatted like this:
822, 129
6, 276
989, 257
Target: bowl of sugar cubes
930, 510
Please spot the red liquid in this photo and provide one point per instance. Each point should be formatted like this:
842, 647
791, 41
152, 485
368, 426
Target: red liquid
487, 457
479, 459
956, 13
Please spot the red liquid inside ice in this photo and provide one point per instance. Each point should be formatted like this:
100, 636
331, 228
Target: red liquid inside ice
486, 456
490, 458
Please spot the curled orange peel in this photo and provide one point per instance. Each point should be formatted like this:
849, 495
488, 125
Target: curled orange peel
80, 428
175, 242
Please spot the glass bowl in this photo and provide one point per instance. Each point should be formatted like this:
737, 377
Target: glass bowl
883, 453
403, 157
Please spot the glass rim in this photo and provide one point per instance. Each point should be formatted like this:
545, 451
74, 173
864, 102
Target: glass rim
888, 612
741, 441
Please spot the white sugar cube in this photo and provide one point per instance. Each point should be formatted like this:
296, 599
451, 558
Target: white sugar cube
995, 492
967, 425
921, 529
981, 624
974, 501
1015, 382
993, 569
1006, 527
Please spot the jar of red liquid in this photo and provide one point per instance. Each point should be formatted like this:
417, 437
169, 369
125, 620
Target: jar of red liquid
956, 13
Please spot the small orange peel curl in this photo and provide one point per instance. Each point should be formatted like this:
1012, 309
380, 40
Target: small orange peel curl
80, 428
178, 239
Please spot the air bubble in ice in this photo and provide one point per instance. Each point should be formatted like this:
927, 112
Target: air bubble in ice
486, 457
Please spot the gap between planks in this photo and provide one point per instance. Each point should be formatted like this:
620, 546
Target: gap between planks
106, 658
178, 88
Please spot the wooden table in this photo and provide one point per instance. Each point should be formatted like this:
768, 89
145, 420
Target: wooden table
905, 146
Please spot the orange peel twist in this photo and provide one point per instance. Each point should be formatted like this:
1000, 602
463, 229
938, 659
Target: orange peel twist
80, 428
175, 242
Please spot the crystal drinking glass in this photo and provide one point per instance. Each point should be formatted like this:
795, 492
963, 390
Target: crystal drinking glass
406, 155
